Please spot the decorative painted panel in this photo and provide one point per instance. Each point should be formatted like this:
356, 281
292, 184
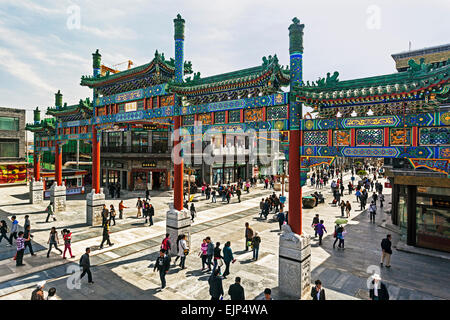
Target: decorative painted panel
247, 103
444, 152
205, 118
167, 101
153, 91
369, 137
445, 118
276, 113
130, 95
370, 122
341, 138
219, 117
188, 120
434, 136
280, 125
315, 138
327, 124
423, 119
400, 137
373, 152
234, 116
252, 115
415, 152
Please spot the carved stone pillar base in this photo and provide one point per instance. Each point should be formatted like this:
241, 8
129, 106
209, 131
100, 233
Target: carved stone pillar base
294, 267
94, 207
178, 222
36, 191
58, 197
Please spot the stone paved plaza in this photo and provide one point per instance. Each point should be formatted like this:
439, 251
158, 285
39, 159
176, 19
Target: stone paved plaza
125, 270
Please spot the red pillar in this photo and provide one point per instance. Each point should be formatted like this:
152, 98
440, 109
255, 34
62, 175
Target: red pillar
386, 137
95, 161
295, 189
330, 137
353, 137
177, 169
37, 166
58, 164
414, 136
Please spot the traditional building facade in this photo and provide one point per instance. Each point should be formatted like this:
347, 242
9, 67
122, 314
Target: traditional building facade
134, 113
13, 162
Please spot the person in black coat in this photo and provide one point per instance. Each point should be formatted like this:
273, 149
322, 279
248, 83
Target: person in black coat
236, 291
215, 285
163, 265
86, 265
151, 213
381, 292
386, 251
317, 292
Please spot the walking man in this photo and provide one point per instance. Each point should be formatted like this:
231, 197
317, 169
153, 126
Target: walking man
121, 207
255, 244
227, 258
280, 218
14, 228
163, 265
209, 252
236, 291
86, 265
386, 251
151, 213
215, 285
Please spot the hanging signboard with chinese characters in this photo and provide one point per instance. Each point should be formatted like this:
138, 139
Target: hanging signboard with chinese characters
130, 106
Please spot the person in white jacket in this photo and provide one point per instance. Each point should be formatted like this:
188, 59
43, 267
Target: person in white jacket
182, 250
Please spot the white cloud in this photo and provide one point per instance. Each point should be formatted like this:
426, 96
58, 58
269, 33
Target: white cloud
22, 71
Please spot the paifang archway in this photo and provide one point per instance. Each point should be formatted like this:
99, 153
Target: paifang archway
389, 116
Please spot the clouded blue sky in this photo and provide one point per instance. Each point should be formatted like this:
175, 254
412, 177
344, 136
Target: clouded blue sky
40, 54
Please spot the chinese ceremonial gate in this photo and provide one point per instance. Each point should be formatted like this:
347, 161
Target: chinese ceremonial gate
390, 116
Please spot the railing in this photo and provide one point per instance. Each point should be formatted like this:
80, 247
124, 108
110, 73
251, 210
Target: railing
136, 149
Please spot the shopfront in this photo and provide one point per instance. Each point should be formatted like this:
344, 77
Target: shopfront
149, 177
423, 215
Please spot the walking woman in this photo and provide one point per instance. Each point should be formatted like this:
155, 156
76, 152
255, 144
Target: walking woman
204, 253
67, 236
193, 212
183, 251
3, 230
227, 258
112, 215
178, 248
53, 241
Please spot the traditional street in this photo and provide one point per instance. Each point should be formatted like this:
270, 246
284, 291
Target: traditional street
125, 270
